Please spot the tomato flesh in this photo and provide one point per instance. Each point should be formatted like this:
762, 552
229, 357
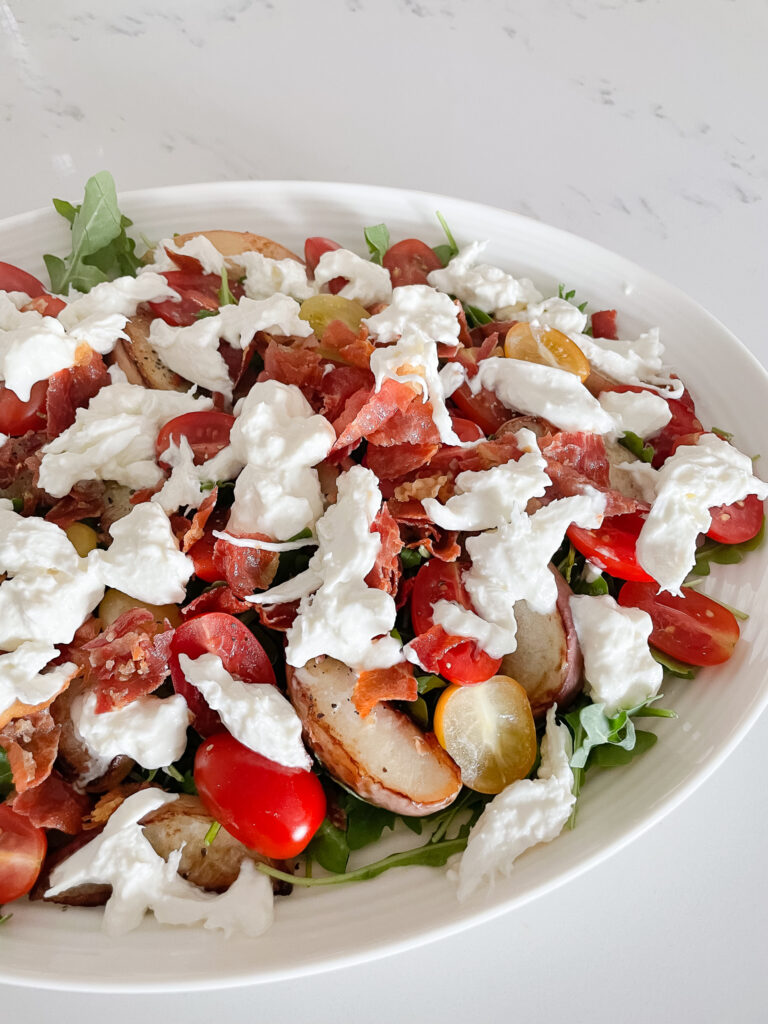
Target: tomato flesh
268, 807
207, 433
611, 547
484, 408
241, 655
692, 628
735, 523
409, 262
14, 279
441, 581
17, 417
22, 849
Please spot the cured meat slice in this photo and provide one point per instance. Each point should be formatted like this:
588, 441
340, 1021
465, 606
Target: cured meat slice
398, 460
71, 389
127, 660
418, 530
395, 683
385, 574
365, 412
53, 803
31, 745
342, 344
245, 569
218, 599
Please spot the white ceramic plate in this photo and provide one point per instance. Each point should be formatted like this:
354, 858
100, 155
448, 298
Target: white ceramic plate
319, 930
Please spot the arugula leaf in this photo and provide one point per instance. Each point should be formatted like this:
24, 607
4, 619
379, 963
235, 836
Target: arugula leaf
565, 567
6, 777
724, 554
475, 317
329, 847
101, 249
595, 588
445, 253
5, 917
672, 665
598, 729
419, 712
226, 298
724, 435
377, 238
212, 832
430, 682
635, 444
201, 314
613, 757
411, 557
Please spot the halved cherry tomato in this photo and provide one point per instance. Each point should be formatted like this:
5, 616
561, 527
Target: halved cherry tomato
684, 421
196, 291
735, 523
692, 628
14, 279
17, 417
313, 250
201, 551
441, 581
45, 305
611, 546
409, 262
241, 655
466, 430
484, 408
268, 807
604, 324
22, 849
207, 433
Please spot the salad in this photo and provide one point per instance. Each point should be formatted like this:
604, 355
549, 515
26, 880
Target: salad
299, 551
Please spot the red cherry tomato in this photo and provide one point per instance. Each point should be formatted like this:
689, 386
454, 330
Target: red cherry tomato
604, 324
46, 305
22, 849
201, 551
270, 808
484, 408
313, 250
409, 262
735, 523
13, 279
466, 430
17, 417
207, 433
197, 291
692, 628
684, 422
611, 546
241, 655
441, 581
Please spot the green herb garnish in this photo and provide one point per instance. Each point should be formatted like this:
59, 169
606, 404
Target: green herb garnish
724, 554
377, 239
635, 444
6, 776
212, 832
101, 249
226, 298
445, 253
475, 317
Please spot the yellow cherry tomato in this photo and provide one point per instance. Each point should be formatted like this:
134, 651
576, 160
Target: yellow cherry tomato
320, 310
82, 538
115, 602
547, 346
488, 730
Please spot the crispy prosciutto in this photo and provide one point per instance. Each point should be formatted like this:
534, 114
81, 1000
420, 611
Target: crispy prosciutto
217, 599
391, 462
395, 683
19, 463
245, 569
196, 527
54, 803
385, 574
71, 389
31, 745
576, 460
277, 616
127, 660
418, 530
299, 365
338, 385
432, 646
365, 412
341, 344
86, 500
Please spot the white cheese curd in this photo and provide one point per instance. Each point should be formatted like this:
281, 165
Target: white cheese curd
527, 812
344, 615
47, 606
15, 299
198, 247
480, 284
413, 359
511, 563
265, 277
114, 438
553, 312
643, 413
495, 640
11, 315
487, 497
184, 487
635, 480
367, 282
546, 391
278, 438
22, 680
631, 362
121, 856
256, 714
121, 296
694, 479
144, 560
193, 351
265, 545
452, 376
6, 505
416, 307
36, 351
150, 730
30, 544
619, 669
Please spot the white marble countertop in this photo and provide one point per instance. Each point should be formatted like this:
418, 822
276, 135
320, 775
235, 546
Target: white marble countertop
634, 124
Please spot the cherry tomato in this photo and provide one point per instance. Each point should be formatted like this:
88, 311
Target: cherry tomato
197, 292
441, 581
692, 628
735, 523
684, 422
604, 324
207, 433
22, 849
466, 430
13, 279
270, 808
17, 417
45, 305
611, 546
201, 551
313, 250
484, 408
241, 655
409, 262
